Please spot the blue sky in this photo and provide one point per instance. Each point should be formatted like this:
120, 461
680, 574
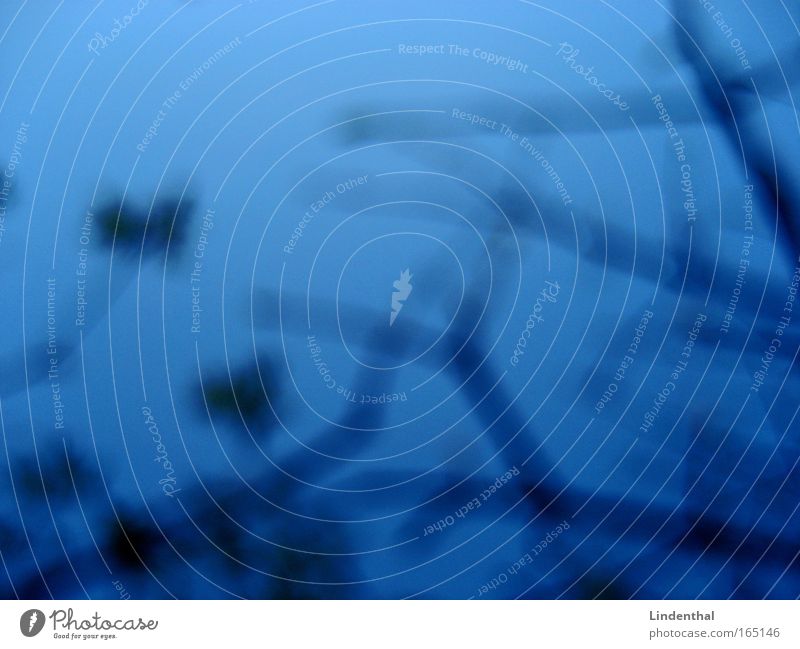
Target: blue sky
228, 125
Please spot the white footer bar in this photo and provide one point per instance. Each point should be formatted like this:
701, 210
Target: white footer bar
406, 624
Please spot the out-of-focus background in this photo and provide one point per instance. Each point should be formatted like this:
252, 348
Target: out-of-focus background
347, 299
